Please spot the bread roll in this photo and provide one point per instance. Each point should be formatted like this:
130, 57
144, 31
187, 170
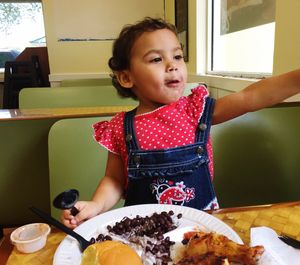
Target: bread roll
110, 253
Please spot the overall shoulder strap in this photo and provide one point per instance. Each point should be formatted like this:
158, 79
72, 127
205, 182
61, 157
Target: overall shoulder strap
204, 124
129, 132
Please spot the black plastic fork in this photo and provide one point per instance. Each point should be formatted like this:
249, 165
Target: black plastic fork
50, 220
290, 241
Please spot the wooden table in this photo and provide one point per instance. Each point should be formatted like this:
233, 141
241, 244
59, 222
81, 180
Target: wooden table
59, 113
283, 218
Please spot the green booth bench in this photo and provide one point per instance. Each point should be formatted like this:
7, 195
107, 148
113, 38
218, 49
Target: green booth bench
24, 168
76, 160
76, 96
24, 172
86, 82
256, 157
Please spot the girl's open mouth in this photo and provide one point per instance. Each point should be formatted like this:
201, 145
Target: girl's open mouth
172, 82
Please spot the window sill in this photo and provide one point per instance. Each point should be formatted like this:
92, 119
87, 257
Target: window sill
222, 85
230, 84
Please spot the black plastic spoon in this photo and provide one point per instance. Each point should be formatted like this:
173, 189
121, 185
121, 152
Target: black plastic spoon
67, 200
49, 219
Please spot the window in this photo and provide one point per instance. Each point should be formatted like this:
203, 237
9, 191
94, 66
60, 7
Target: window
242, 37
21, 26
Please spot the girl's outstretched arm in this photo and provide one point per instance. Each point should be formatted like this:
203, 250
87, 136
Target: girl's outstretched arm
261, 94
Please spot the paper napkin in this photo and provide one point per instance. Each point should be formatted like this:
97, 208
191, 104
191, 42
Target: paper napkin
276, 251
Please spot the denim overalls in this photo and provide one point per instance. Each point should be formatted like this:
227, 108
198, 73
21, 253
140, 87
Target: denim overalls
178, 176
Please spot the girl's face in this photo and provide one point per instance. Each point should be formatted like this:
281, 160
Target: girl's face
157, 73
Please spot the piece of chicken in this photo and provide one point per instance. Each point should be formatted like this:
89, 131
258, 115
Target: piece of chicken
201, 243
207, 259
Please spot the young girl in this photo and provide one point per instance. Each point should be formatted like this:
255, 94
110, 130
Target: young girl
161, 151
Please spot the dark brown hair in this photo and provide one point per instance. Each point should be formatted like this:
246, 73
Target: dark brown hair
122, 47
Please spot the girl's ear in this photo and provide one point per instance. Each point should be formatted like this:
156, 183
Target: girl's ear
124, 79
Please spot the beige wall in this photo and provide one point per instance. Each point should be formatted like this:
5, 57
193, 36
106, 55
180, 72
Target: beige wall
79, 58
287, 37
90, 58
73, 57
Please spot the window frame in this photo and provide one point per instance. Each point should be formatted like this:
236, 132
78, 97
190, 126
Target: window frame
20, 1
209, 62
17, 2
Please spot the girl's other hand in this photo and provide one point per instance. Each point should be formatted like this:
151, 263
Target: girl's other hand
87, 210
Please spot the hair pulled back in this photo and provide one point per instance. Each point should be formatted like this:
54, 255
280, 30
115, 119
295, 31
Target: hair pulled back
122, 48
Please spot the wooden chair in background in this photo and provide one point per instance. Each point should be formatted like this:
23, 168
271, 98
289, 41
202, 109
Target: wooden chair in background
17, 75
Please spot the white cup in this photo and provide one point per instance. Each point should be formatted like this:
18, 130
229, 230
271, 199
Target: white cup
31, 237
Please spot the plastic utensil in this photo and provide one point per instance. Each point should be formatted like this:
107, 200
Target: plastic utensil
290, 241
49, 219
67, 200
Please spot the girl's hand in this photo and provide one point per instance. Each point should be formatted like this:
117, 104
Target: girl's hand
87, 210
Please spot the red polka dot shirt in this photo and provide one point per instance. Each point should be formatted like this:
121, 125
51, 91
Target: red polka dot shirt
169, 126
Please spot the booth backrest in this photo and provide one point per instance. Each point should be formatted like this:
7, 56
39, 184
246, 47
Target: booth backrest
77, 96
257, 157
99, 82
76, 160
86, 82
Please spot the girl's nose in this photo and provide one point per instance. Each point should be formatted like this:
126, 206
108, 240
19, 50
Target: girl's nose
171, 67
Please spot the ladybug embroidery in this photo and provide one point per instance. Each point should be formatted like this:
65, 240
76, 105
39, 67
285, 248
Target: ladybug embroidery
168, 193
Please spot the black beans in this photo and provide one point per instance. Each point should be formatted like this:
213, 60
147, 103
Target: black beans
153, 226
147, 232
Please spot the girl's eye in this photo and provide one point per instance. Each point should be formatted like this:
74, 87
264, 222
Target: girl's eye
155, 60
178, 57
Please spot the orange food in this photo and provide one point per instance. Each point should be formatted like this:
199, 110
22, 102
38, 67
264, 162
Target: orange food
110, 253
212, 248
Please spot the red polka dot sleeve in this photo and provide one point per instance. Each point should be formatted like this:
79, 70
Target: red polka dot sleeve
110, 134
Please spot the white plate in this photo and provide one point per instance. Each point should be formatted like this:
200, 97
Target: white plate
68, 252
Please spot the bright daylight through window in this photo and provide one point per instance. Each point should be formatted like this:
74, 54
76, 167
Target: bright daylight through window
242, 37
21, 26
